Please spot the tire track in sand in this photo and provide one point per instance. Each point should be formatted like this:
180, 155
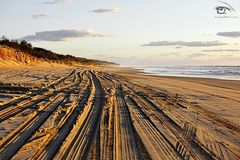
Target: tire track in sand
78, 145
15, 140
125, 146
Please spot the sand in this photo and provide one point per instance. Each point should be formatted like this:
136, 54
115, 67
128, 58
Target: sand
56, 111
222, 97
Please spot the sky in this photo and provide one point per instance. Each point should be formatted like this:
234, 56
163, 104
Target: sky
131, 33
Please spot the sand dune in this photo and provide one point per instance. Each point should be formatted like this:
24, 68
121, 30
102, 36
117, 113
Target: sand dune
10, 57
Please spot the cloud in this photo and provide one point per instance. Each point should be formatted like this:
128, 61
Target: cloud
104, 56
61, 35
221, 50
41, 15
234, 34
188, 44
178, 47
107, 10
164, 54
56, 1
198, 54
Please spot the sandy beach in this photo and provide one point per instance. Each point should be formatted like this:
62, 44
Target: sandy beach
119, 80
49, 107
221, 97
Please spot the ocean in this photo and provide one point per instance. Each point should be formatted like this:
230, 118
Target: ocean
216, 72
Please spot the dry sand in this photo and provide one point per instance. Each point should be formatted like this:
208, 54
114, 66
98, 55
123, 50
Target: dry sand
56, 111
222, 97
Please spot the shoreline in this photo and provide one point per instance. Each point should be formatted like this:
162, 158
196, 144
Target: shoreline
219, 96
227, 83
111, 97
190, 76
216, 95
144, 71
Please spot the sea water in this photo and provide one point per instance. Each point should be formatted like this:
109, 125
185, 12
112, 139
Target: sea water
217, 72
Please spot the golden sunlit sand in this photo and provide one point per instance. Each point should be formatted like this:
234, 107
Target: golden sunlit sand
63, 107
62, 112
119, 80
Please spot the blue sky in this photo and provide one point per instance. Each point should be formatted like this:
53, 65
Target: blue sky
183, 32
